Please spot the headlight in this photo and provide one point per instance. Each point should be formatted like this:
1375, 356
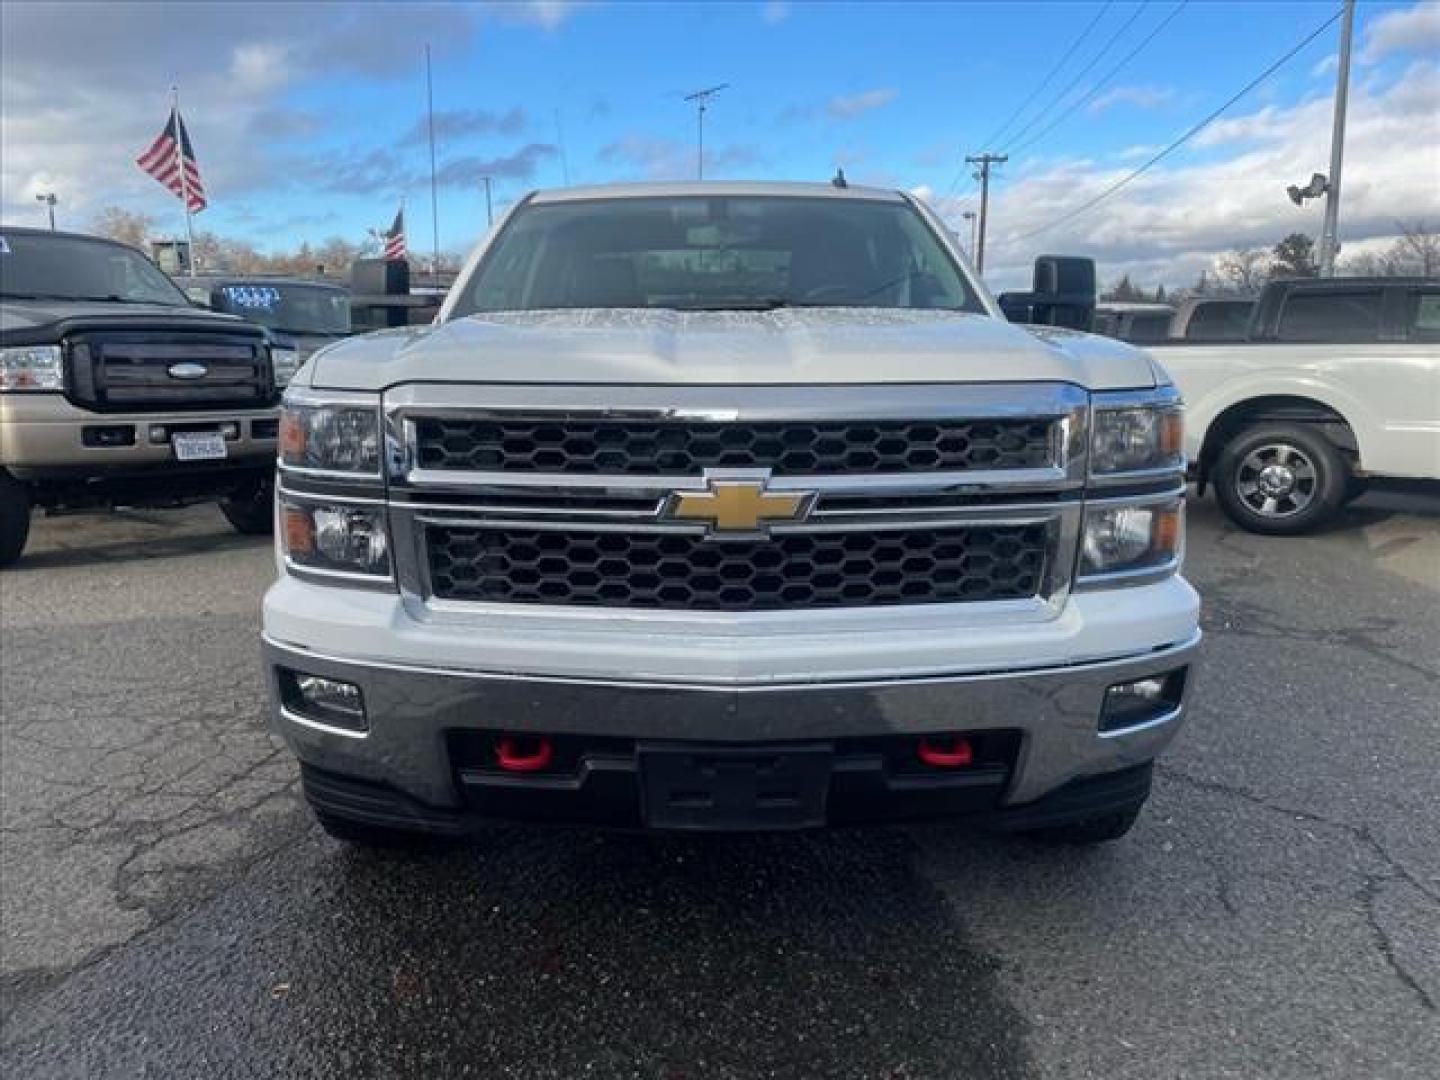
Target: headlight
1137, 432
284, 363
31, 367
344, 539
1133, 539
334, 436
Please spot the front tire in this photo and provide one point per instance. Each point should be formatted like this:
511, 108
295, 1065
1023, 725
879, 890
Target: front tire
1280, 479
14, 518
251, 512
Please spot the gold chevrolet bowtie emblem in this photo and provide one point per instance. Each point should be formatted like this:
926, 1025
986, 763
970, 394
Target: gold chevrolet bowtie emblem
738, 505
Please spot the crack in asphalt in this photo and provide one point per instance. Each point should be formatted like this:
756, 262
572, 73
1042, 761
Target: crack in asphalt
1370, 883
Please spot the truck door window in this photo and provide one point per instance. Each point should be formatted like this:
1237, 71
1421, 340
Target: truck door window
1324, 315
1424, 317
1219, 320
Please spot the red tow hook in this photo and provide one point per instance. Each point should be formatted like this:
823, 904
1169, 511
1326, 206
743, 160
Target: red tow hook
946, 753
523, 753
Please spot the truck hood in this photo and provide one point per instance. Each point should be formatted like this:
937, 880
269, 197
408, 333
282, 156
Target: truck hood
789, 346
32, 321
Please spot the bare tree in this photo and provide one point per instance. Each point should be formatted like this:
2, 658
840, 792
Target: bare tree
1418, 247
1244, 269
127, 226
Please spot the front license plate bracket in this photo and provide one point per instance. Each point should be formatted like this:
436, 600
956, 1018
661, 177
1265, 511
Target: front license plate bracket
726, 788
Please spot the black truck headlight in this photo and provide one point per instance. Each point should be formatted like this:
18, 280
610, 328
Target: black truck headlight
31, 367
1136, 432
1132, 540
330, 434
343, 540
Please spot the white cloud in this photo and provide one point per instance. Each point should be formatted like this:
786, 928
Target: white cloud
774, 12
1325, 66
86, 88
1142, 97
547, 13
1171, 221
849, 106
1412, 30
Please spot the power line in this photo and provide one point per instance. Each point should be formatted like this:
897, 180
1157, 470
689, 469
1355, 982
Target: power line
1075, 81
1055, 70
1183, 139
1103, 79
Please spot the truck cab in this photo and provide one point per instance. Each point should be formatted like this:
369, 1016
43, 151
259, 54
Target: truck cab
301, 314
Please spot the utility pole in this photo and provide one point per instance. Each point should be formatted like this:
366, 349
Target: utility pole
969, 215
489, 209
702, 101
984, 161
1329, 231
49, 199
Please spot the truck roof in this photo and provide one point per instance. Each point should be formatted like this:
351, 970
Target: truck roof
27, 230
714, 187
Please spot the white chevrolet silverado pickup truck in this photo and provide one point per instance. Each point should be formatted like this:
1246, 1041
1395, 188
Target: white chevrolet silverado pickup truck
728, 506
1335, 382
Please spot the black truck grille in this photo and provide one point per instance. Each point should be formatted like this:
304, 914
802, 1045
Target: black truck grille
124, 371
684, 448
685, 572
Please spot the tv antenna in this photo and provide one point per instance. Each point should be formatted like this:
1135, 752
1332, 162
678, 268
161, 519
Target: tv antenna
702, 101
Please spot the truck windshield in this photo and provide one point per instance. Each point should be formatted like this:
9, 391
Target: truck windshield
288, 308
717, 253
44, 266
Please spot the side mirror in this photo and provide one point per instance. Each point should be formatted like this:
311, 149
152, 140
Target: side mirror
1063, 294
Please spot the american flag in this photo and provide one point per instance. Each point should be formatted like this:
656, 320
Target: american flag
167, 156
394, 237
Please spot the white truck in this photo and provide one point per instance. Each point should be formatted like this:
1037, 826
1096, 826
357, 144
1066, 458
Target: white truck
728, 506
1336, 382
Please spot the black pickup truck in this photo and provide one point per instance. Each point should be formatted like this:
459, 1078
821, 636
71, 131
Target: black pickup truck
116, 391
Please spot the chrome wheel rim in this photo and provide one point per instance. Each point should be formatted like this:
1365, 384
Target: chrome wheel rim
1277, 480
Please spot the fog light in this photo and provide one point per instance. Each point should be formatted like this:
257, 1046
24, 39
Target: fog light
330, 702
331, 695
230, 429
158, 434
1130, 704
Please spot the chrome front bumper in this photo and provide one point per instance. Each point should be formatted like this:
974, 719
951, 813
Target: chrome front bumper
412, 710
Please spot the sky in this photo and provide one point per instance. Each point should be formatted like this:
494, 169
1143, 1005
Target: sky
309, 120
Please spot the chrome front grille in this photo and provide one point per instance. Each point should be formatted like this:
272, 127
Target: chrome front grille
687, 448
686, 572
888, 496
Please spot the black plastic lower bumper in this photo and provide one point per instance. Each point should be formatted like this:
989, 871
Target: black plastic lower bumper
698, 788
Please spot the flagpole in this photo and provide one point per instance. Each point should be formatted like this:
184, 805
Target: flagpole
184, 179
434, 201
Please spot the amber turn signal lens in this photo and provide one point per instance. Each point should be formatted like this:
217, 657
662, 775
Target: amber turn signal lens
1167, 527
1172, 434
292, 437
299, 531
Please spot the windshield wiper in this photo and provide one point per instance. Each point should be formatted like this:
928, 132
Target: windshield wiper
758, 303
116, 298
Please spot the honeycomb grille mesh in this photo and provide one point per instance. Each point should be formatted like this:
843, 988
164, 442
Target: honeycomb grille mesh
675, 448
686, 572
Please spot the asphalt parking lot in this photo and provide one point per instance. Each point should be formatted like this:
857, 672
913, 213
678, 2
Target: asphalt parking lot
169, 910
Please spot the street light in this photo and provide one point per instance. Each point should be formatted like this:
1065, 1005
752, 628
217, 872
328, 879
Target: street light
49, 199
